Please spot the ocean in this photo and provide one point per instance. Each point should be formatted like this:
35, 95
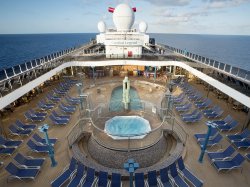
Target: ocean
233, 50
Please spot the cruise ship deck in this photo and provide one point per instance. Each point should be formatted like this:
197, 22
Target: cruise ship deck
124, 107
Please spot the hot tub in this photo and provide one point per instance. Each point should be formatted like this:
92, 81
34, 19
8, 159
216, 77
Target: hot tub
124, 127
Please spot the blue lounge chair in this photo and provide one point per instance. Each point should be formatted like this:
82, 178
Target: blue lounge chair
211, 110
139, 180
73, 98
248, 156
166, 182
212, 142
52, 98
176, 179
9, 142
152, 179
240, 136
188, 175
196, 96
58, 121
21, 173
28, 116
90, 178
228, 165
77, 179
102, 179
203, 100
202, 136
183, 108
60, 116
192, 119
72, 102
59, 92
179, 97
194, 113
18, 132
28, 161
116, 180
47, 103
225, 121
43, 106
68, 106
23, 126
221, 155
42, 140
242, 144
67, 110
214, 114
65, 175
53, 94
206, 104
35, 113
37, 148
7, 150
228, 127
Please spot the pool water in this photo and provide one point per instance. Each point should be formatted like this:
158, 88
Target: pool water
116, 103
122, 127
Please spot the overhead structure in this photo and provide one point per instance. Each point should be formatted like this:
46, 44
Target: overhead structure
124, 41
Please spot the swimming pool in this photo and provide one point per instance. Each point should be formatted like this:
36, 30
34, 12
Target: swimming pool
122, 127
116, 103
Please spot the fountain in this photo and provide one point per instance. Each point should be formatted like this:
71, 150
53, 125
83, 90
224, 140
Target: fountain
126, 93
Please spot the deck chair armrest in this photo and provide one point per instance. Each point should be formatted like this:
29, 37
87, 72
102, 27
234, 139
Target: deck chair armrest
39, 143
146, 184
23, 166
159, 182
33, 167
30, 157
73, 173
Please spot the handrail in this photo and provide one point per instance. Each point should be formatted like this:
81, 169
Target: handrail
227, 69
43, 61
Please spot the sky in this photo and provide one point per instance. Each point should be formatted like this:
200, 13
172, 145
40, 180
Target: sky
223, 17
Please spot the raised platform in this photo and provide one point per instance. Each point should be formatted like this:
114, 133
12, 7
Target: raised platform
92, 154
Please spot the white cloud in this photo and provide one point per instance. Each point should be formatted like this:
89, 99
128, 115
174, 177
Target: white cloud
168, 2
218, 4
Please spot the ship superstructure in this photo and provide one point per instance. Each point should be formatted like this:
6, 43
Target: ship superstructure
124, 41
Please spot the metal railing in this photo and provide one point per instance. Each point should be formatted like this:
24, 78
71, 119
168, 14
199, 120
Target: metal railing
238, 73
34, 68
102, 113
77, 130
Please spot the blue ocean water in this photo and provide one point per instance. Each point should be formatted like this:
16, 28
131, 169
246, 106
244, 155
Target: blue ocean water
17, 49
233, 50
229, 49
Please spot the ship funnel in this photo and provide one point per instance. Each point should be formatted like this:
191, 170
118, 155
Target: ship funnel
111, 9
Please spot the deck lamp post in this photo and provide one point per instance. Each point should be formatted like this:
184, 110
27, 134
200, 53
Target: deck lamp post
79, 88
93, 69
44, 129
210, 125
155, 74
131, 166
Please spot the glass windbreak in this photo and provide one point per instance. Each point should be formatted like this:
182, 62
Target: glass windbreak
28, 65
234, 71
10, 72
221, 66
33, 62
2, 75
227, 68
17, 69
23, 67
